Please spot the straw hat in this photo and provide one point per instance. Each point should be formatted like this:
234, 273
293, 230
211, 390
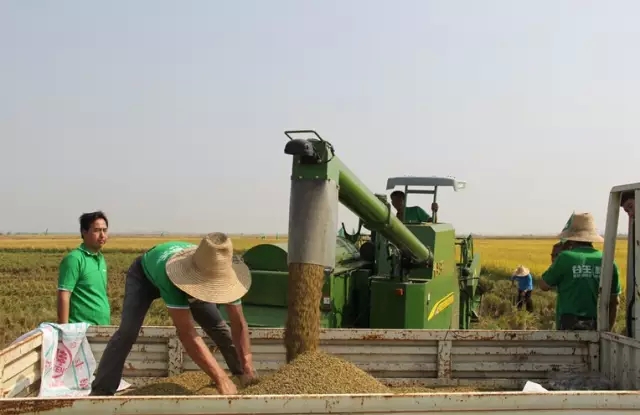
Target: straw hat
210, 272
581, 229
521, 271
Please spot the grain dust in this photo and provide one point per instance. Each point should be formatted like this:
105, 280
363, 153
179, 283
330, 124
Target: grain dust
302, 329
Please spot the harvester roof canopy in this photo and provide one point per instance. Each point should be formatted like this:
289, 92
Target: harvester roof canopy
426, 181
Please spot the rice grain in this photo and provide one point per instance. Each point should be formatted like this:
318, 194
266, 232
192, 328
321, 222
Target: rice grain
302, 328
317, 373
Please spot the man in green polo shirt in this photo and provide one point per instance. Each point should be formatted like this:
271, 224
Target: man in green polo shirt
412, 214
575, 273
82, 277
191, 280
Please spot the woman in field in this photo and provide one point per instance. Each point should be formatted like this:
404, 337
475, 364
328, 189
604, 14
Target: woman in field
525, 286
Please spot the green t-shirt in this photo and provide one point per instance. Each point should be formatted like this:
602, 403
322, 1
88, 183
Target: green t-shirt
414, 214
576, 275
84, 274
154, 263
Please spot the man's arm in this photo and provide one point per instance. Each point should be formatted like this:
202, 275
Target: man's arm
553, 275
198, 350
613, 310
555, 250
614, 299
544, 286
68, 276
423, 216
240, 335
64, 300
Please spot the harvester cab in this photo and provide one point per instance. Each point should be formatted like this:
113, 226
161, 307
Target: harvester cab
433, 183
431, 232
405, 276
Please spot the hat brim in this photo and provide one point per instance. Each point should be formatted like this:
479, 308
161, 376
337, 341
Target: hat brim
581, 236
228, 286
522, 273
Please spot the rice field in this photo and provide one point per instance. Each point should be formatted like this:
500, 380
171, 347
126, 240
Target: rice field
29, 265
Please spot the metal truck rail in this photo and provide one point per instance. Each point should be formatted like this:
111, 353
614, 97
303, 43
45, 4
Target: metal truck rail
500, 359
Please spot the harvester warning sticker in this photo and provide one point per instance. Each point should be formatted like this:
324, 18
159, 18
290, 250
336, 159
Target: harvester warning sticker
441, 305
437, 268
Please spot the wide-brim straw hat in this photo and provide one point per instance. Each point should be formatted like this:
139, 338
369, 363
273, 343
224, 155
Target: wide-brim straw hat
581, 229
210, 272
521, 271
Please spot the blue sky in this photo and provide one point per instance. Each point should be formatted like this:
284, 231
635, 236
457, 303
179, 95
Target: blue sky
170, 115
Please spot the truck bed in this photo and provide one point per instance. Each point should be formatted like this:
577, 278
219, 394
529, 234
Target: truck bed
403, 358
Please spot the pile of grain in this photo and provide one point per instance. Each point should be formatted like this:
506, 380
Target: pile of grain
187, 383
310, 373
317, 373
302, 329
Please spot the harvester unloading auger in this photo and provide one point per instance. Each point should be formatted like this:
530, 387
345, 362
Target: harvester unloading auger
405, 276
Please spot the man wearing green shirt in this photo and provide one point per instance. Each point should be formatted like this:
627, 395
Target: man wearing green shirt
575, 273
191, 280
82, 276
412, 214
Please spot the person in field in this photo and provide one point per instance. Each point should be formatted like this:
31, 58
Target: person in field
525, 286
413, 213
575, 274
191, 280
82, 276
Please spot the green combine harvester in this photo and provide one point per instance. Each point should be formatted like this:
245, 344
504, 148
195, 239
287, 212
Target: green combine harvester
400, 276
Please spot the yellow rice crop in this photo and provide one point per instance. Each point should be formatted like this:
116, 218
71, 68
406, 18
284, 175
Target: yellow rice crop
126, 243
503, 255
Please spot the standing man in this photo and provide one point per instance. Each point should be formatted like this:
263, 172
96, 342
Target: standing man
413, 213
191, 280
525, 287
82, 277
628, 204
575, 274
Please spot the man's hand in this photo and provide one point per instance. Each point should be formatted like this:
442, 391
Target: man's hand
249, 377
556, 249
198, 350
226, 387
544, 286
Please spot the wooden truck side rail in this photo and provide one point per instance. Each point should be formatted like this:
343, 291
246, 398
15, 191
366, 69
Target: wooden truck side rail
427, 357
